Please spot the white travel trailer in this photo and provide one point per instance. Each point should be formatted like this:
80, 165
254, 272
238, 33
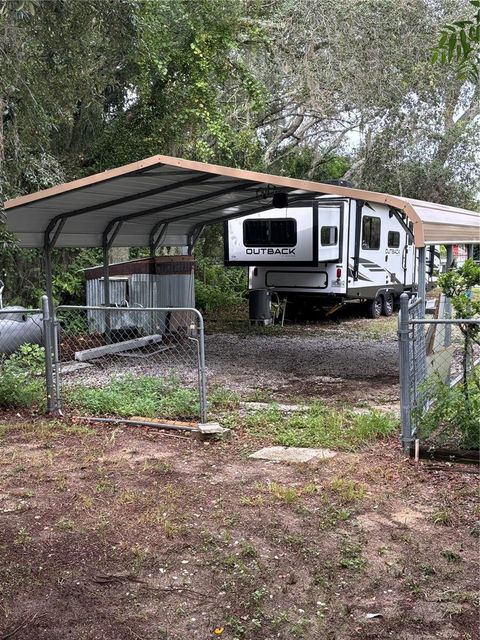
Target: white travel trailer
325, 252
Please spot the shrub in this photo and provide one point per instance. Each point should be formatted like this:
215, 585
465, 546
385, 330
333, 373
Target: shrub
451, 419
217, 287
21, 377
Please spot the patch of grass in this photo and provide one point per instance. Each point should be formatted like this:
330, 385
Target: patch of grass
171, 527
139, 556
351, 556
157, 466
321, 426
130, 396
22, 537
259, 395
252, 501
282, 492
105, 485
310, 489
65, 524
451, 556
443, 517
347, 490
247, 550
331, 516
222, 399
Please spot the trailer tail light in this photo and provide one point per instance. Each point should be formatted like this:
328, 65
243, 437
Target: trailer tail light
255, 271
339, 273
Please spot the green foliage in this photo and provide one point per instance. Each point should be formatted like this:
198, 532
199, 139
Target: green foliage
457, 285
217, 287
21, 377
321, 426
190, 75
454, 417
130, 396
460, 41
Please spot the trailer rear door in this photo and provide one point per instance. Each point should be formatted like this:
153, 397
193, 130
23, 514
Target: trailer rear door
286, 236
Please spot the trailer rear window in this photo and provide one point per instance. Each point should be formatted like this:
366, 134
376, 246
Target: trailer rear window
370, 232
394, 239
272, 232
328, 236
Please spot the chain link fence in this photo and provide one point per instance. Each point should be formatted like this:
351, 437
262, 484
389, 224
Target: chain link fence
439, 379
125, 362
130, 362
22, 358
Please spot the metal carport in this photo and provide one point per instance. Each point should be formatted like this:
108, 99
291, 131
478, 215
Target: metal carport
167, 201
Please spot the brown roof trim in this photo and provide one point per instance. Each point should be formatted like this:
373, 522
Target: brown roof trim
161, 265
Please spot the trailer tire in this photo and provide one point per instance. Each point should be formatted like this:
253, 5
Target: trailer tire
388, 304
374, 307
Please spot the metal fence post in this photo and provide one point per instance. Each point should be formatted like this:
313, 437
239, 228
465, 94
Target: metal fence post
404, 357
447, 338
202, 373
56, 362
47, 337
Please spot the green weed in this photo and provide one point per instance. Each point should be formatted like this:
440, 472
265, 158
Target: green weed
23, 537
65, 524
443, 517
21, 377
220, 399
142, 396
282, 492
347, 490
451, 556
320, 426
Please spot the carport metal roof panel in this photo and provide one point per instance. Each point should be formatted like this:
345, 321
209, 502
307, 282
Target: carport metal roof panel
174, 197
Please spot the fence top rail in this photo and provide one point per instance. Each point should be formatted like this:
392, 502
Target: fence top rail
11, 311
416, 302
445, 321
67, 307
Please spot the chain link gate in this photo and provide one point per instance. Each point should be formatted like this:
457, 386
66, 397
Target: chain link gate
102, 352
439, 378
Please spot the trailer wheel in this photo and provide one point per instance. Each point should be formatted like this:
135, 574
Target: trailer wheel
388, 303
374, 307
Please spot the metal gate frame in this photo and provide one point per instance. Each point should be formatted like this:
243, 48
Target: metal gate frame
52, 351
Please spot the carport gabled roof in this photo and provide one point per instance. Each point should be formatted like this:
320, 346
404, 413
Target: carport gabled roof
166, 200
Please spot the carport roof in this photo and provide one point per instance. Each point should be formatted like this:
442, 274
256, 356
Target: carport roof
167, 200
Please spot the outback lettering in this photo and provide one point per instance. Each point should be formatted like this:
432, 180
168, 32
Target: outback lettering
270, 252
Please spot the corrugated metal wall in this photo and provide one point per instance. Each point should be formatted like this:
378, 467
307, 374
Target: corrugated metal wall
95, 298
140, 290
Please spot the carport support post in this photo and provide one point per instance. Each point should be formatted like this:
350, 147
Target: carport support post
447, 338
404, 357
422, 286
106, 291
49, 277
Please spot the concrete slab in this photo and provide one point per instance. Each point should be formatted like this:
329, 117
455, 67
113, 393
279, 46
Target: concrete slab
212, 430
292, 454
259, 406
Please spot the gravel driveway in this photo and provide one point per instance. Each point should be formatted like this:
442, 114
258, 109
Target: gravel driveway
349, 362
326, 365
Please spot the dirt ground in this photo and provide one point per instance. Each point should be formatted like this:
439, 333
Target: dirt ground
121, 533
